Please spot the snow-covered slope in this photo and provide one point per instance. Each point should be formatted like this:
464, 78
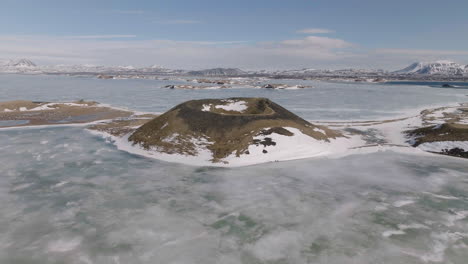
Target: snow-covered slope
218, 72
21, 63
437, 67
305, 71
18, 66
323, 72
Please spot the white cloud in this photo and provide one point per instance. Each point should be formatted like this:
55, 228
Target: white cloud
100, 36
315, 31
179, 54
311, 51
318, 42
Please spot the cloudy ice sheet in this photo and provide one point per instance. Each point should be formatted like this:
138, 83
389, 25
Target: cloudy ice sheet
70, 197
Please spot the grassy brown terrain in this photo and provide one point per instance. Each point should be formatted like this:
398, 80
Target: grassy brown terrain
444, 132
122, 127
58, 113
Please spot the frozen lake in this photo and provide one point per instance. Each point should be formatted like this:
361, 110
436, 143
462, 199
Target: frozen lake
325, 101
71, 197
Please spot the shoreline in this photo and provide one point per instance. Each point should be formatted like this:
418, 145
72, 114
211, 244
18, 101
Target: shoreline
391, 134
389, 79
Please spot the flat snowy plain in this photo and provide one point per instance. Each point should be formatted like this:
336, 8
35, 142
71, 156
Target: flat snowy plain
68, 196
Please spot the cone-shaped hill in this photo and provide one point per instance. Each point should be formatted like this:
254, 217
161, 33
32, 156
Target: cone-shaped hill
223, 130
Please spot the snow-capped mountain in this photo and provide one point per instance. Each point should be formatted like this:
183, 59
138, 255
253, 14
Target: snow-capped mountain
357, 71
420, 70
437, 67
309, 72
21, 63
27, 66
218, 72
126, 67
4, 62
63, 68
18, 66
305, 71
156, 66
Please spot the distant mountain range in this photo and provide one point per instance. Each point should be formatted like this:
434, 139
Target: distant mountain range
17, 66
218, 72
27, 66
22, 63
437, 68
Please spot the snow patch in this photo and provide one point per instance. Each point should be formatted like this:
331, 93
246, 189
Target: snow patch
238, 106
319, 130
206, 107
171, 138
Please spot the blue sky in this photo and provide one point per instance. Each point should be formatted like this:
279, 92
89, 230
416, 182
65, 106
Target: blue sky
251, 34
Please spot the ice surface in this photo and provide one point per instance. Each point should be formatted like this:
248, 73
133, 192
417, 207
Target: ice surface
84, 199
403, 203
6, 123
71, 197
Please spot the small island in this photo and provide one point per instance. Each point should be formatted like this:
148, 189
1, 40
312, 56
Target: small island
233, 131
